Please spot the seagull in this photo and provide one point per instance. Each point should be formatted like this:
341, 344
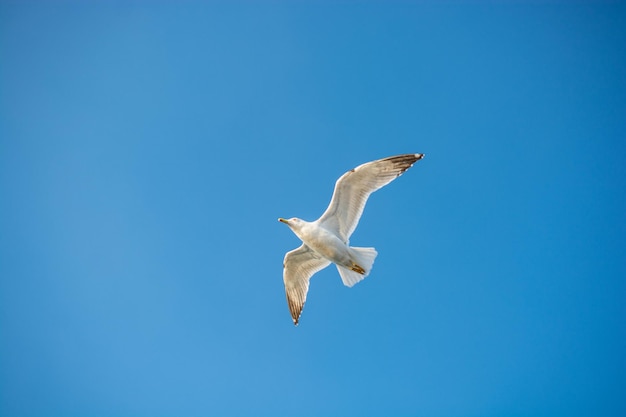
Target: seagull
326, 240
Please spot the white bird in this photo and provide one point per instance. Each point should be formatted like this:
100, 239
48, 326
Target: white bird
326, 240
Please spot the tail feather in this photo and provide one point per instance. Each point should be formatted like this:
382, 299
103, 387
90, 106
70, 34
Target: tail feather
363, 257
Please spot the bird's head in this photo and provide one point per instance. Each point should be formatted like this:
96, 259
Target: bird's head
294, 222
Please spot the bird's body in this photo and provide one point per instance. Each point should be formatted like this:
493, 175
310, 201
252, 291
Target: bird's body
326, 240
323, 242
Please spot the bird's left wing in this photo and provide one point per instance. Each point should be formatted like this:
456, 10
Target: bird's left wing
299, 265
354, 187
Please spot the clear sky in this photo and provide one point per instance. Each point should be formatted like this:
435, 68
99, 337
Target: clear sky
147, 150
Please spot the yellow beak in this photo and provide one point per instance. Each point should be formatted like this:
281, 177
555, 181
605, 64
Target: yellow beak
280, 219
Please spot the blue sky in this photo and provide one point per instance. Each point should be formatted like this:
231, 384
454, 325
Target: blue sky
147, 149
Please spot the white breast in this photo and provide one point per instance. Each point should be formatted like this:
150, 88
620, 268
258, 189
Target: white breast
327, 244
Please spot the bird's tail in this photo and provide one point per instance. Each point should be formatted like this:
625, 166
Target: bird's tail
363, 259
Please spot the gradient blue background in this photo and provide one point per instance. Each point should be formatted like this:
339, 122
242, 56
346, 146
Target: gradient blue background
147, 149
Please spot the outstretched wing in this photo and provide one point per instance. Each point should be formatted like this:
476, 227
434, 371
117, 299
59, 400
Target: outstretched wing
354, 187
299, 265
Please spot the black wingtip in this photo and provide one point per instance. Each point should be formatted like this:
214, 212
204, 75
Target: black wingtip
404, 162
409, 158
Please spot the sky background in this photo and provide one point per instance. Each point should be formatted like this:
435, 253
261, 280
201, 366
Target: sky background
147, 150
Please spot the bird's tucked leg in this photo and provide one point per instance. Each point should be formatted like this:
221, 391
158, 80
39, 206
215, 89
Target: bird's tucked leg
358, 269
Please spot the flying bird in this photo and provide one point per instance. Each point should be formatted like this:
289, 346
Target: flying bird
326, 240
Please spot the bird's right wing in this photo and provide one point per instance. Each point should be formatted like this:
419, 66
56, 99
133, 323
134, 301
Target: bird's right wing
299, 265
354, 187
